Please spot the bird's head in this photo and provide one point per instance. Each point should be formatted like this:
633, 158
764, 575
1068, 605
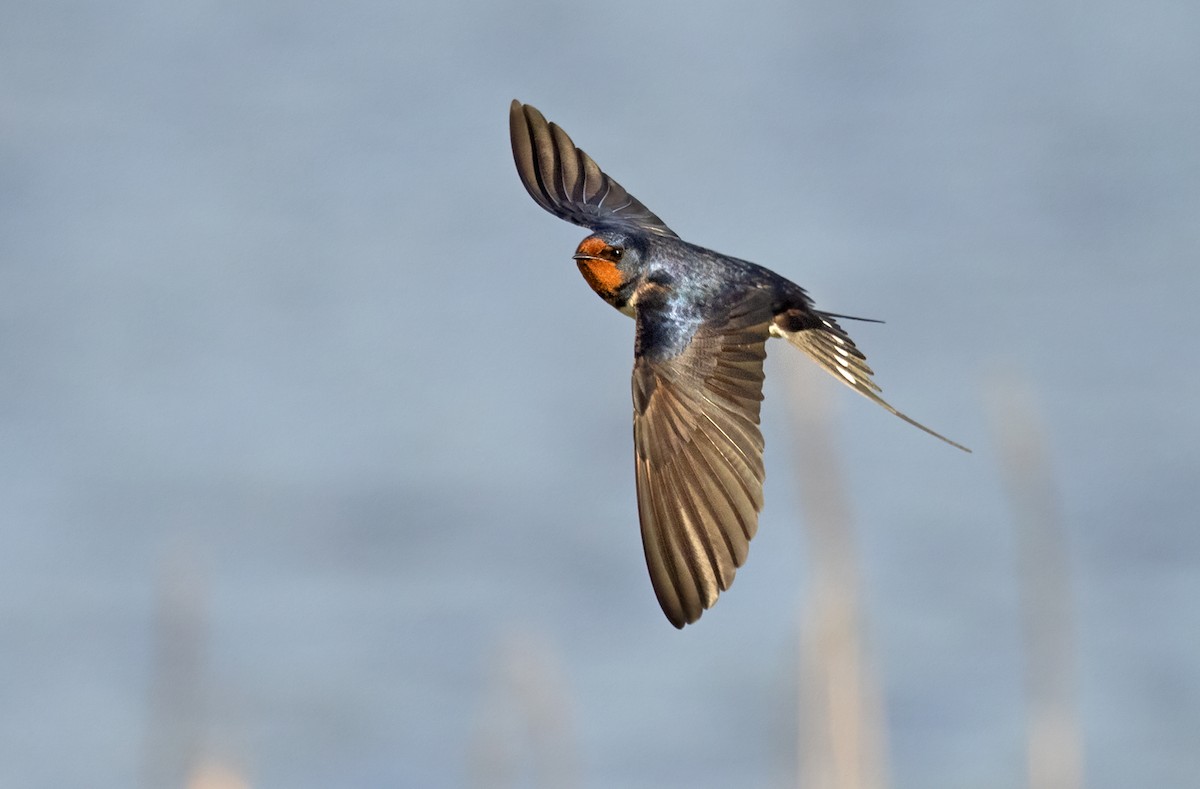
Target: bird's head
610, 260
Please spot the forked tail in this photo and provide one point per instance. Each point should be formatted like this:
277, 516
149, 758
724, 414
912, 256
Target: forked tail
827, 344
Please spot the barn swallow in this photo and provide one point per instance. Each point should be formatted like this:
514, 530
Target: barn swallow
703, 320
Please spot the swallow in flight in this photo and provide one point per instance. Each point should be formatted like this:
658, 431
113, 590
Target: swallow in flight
703, 320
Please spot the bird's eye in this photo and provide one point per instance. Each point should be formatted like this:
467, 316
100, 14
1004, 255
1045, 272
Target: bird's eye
616, 252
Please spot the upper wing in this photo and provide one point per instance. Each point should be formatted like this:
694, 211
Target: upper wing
698, 449
566, 182
826, 343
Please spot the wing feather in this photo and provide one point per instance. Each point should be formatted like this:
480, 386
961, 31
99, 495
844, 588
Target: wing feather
566, 182
699, 456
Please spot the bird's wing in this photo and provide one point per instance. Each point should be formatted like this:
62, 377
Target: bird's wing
826, 343
566, 182
698, 448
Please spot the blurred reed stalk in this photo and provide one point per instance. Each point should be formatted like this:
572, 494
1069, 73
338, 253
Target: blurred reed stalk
214, 775
176, 709
842, 743
524, 735
1043, 570
175, 705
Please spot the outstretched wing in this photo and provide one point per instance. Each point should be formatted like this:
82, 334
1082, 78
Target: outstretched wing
697, 447
566, 182
826, 343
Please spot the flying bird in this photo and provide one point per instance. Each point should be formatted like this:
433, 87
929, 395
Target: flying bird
703, 320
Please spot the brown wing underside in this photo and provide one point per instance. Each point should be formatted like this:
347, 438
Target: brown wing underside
698, 452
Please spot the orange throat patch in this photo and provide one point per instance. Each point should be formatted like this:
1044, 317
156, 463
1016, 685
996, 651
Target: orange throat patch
602, 275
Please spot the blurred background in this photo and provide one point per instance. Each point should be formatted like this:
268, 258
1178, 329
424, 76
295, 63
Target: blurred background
315, 453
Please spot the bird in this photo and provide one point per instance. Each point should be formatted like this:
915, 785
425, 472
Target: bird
702, 323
